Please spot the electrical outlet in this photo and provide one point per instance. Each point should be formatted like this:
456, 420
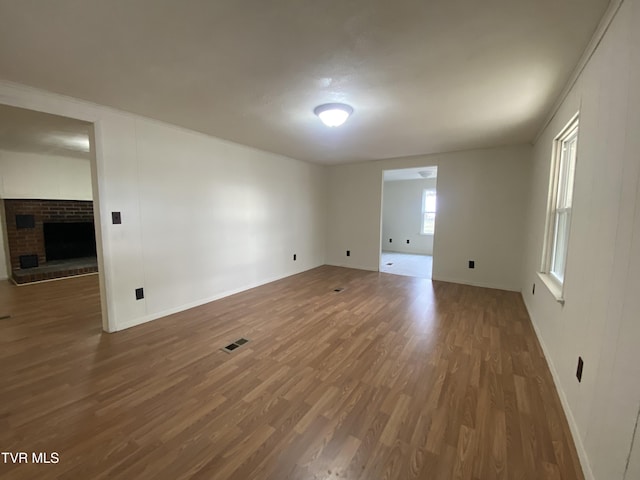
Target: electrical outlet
579, 370
139, 293
116, 218
295, 257
407, 240
472, 264
390, 240
533, 290
348, 253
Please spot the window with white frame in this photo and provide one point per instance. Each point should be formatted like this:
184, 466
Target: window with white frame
560, 202
428, 211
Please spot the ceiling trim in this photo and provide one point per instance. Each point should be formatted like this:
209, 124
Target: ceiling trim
592, 46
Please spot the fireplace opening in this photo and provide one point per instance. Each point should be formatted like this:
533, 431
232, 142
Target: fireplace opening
69, 240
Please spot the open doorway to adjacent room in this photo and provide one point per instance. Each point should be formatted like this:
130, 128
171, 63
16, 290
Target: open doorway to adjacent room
408, 221
47, 221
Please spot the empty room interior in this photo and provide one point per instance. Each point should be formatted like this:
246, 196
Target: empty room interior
211, 214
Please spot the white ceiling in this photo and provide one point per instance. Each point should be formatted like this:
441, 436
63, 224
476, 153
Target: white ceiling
422, 76
36, 132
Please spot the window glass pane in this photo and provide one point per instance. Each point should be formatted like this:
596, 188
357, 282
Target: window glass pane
566, 170
560, 244
430, 202
428, 211
571, 167
561, 178
428, 223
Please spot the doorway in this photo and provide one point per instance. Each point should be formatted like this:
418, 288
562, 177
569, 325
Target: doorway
409, 199
47, 218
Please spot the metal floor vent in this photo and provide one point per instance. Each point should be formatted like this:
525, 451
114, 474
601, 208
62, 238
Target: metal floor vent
339, 289
232, 346
5, 317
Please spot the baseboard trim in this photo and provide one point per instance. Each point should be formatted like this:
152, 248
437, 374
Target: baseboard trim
573, 427
476, 284
197, 303
355, 267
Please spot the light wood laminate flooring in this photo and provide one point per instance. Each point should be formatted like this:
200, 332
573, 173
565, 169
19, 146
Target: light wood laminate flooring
391, 378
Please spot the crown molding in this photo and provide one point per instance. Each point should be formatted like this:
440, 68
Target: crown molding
592, 46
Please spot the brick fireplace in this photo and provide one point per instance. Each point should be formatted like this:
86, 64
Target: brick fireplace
59, 229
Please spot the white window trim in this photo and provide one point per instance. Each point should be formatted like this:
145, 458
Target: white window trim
551, 281
553, 286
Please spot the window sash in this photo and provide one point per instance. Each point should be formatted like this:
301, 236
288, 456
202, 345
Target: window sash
567, 169
560, 246
429, 202
560, 203
428, 223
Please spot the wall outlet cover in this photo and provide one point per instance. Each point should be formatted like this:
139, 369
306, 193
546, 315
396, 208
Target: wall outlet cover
139, 293
579, 369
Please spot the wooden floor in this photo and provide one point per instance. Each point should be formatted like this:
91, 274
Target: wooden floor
391, 378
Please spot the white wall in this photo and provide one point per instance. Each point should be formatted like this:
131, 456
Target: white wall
402, 216
633, 469
600, 318
201, 217
481, 202
217, 217
51, 177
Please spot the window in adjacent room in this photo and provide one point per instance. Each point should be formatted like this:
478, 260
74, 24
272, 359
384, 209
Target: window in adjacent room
560, 201
428, 211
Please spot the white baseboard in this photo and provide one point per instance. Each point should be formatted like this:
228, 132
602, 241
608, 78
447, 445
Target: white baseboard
355, 267
577, 440
495, 286
164, 313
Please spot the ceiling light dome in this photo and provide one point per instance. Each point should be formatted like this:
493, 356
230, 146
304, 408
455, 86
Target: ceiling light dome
333, 114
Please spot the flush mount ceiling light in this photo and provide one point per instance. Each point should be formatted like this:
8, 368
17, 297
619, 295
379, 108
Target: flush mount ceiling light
333, 114
431, 172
